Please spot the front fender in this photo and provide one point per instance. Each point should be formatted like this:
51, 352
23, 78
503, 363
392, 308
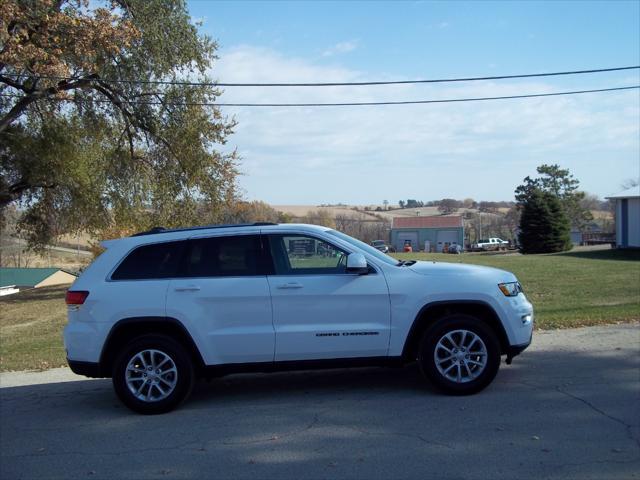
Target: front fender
405, 316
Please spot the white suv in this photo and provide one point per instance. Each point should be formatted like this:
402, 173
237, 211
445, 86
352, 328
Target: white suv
161, 308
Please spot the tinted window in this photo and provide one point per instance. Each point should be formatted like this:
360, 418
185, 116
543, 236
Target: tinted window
223, 257
302, 255
159, 260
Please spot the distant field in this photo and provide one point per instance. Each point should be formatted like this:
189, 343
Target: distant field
14, 255
587, 287
303, 210
82, 240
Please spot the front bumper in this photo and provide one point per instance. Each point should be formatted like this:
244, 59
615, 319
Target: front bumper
88, 369
515, 350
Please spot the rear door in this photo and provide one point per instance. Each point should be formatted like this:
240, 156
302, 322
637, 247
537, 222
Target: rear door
223, 296
320, 311
139, 282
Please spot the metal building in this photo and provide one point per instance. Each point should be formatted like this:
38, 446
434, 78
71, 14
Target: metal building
435, 233
628, 218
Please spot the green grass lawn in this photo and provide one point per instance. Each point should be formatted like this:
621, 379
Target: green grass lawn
567, 290
31, 325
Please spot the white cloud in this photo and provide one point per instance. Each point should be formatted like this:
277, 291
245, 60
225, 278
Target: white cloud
357, 154
342, 47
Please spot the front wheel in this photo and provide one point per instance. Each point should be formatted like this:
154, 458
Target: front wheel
459, 354
153, 374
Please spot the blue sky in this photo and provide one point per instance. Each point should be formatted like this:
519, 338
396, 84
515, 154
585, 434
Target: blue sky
363, 155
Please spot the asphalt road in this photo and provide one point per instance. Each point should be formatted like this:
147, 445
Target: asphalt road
569, 407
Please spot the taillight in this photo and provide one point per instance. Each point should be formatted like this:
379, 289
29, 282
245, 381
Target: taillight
76, 297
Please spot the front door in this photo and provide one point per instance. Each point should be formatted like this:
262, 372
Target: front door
319, 310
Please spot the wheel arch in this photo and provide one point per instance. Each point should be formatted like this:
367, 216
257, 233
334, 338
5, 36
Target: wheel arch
127, 329
432, 312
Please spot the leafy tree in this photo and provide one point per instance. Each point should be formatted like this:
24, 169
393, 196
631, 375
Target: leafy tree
590, 202
319, 217
250, 212
88, 137
401, 203
544, 227
469, 203
412, 203
512, 221
562, 184
448, 205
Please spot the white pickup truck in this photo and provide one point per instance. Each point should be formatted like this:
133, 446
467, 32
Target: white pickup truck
493, 243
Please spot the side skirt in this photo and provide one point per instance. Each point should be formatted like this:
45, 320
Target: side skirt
212, 371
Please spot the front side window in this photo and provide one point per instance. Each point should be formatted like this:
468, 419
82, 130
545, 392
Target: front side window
304, 255
155, 261
232, 256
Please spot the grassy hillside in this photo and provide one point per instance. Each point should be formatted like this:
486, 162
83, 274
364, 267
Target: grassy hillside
31, 325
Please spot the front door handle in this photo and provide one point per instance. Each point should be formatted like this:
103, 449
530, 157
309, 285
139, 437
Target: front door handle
187, 288
290, 285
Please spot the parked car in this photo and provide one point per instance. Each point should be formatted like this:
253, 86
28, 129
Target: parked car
162, 308
380, 245
455, 248
491, 244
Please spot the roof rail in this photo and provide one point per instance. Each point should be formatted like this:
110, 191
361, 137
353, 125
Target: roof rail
156, 230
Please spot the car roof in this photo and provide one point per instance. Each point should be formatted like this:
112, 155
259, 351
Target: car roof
156, 230
161, 234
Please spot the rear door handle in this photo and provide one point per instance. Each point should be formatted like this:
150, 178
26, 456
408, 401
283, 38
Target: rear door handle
290, 285
187, 288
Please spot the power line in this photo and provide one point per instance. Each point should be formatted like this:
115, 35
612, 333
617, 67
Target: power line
417, 102
339, 84
358, 104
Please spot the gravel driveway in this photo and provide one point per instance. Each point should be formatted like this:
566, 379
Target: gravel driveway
569, 407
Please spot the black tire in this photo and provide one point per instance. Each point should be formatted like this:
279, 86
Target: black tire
183, 380
477, 378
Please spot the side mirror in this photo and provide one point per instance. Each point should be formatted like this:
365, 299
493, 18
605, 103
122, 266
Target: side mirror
356, 263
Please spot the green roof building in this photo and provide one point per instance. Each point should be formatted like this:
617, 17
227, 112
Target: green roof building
14, 279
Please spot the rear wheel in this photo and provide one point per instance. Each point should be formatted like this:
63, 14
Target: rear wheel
153, 374
459, 354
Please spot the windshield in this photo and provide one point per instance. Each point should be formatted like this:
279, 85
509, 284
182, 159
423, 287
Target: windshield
374, 252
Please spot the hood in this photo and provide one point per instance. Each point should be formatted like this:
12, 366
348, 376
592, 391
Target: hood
462, 269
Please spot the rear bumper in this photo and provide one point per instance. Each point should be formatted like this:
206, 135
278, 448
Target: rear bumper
88, 369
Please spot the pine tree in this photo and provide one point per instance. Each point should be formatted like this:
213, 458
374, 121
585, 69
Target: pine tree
544, 226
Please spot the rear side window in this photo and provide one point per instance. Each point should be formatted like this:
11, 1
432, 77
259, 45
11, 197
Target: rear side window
159, 260
233, 256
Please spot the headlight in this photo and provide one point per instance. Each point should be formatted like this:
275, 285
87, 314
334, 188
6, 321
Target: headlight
511, 289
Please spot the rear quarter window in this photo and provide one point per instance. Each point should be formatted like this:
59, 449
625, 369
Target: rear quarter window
155, 261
